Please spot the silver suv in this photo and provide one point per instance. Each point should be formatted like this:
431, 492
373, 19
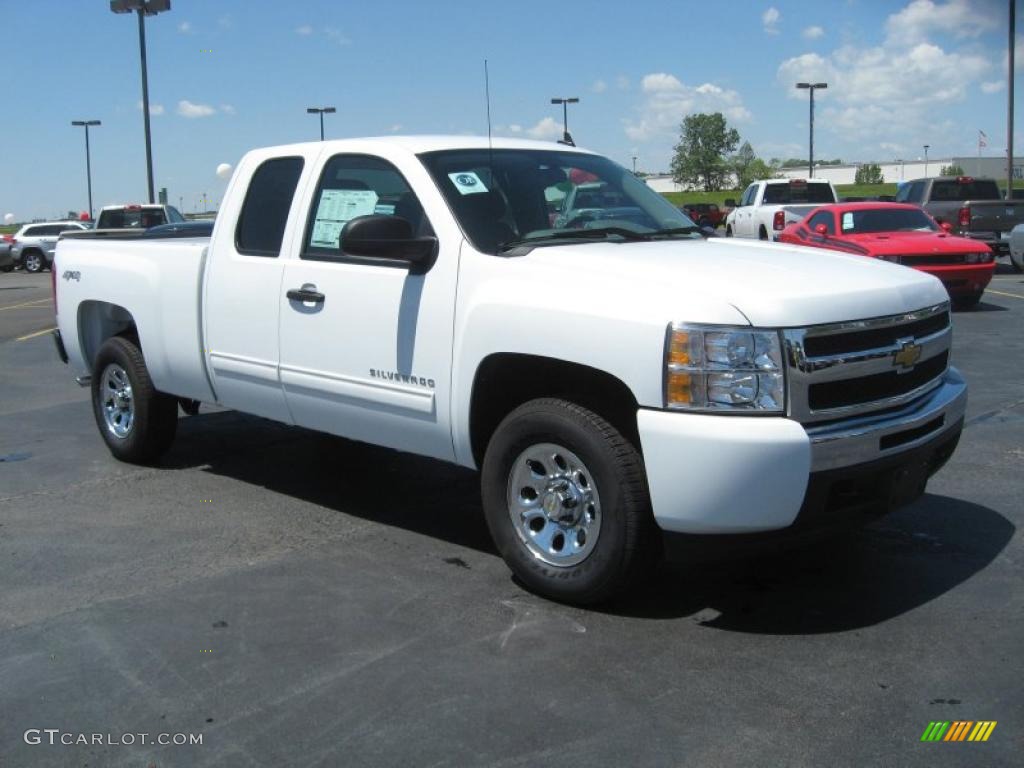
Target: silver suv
34, 244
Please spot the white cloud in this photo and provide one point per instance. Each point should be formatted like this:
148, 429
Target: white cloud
227, 109
622, 83
305, 29
599, 86
546, 128
185, 27
960, 18
667, 100
395, 128
813, 33
187, 109
336, 36
515, 128
155, 110
995, 86
770, 20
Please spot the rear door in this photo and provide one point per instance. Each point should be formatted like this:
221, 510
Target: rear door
243, 286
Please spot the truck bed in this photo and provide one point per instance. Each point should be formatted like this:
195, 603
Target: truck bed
158, 281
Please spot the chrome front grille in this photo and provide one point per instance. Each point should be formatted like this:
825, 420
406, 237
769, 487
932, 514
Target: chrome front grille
848, 369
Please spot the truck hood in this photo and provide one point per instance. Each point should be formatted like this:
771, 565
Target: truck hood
771, 284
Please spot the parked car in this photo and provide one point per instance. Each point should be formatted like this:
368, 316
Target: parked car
1017, 248
768, 207
6, 260
34, 244
195, 228
617, 385
137, 216
902, 234
704, 214
973, 207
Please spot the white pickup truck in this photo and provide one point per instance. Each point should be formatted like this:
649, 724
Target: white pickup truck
619, 383
768, 207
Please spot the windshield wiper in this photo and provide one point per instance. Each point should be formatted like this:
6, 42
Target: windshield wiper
598, 233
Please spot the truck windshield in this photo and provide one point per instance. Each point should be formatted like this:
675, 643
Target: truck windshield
512, 197
131, 218
886, 220
786, 193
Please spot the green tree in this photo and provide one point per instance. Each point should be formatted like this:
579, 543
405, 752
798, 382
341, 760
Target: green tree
951, 170
869, 173
705, 140
741, 162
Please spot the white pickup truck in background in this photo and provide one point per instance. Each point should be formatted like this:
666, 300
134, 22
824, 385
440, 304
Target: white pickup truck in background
618, 382
768, 207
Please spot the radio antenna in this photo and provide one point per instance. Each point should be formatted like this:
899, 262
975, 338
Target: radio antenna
487, 97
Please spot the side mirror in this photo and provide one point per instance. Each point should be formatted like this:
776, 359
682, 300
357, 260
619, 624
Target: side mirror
946, 226
388, 237
821, 229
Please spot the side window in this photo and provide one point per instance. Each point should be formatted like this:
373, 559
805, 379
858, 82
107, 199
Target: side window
33, 232
748, 195
358, 185
265, 210
916, 193
173, 216
824, 217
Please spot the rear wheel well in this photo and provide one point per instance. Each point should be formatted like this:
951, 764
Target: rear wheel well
762, 232
504, 381
99, 321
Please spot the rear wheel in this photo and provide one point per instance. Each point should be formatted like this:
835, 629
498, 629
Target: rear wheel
762, 233
966, 302
728, 230
566, 501
136, 421
33, 261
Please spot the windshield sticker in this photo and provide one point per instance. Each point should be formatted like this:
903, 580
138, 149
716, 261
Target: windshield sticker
467, 182
336, 207
847, 221
384, 209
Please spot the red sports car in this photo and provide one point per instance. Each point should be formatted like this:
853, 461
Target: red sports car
904, 234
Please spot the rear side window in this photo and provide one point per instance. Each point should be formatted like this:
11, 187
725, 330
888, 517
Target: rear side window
265, 210
823, 217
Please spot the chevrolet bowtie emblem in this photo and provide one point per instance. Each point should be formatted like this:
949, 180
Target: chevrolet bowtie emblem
907, 355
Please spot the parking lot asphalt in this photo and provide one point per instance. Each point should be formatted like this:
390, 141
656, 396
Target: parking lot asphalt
298, 599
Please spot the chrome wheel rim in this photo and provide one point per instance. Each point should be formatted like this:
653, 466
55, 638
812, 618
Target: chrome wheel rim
554, 504
116, 400
32, 263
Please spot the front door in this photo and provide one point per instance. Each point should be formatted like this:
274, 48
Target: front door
366, 347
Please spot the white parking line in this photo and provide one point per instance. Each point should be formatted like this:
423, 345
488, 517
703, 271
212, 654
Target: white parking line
28, 336
26, 304
1000, 293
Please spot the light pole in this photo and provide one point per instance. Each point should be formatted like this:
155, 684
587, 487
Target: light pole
88, 164
321, 111
565, 102
144, 8
900, 161
811, 87
926, 159
634, 165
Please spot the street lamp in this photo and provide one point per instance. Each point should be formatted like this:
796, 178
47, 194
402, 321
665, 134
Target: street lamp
144, 8
321, 111
926, 159
88, 165
565, 102
812, 87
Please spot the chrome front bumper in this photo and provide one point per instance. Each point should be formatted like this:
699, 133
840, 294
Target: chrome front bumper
878, 436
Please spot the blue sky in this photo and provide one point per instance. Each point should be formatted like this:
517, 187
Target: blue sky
229, 75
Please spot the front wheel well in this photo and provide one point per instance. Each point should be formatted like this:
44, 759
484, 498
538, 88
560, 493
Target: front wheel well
504, 381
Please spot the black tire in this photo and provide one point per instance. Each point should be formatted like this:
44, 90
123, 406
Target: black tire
728, 230
155, 415
8, 268
625, 542
33, 262
966, 302
762, 233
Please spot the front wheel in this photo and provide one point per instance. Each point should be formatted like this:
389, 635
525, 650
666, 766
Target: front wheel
728, 230
1017, 260
136, 421
566, 501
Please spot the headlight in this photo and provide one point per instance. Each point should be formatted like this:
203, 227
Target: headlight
713, 368
979, 258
